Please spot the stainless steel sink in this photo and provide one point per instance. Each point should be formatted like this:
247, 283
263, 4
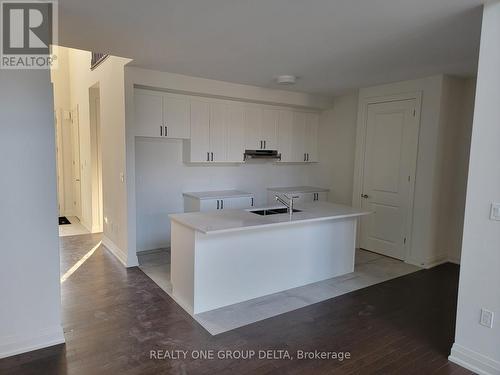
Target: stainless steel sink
272, 211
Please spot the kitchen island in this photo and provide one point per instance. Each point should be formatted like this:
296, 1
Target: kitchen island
225, 257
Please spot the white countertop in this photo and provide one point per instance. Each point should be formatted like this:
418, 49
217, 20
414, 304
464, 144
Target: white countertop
298, 189
214, 222
218, 194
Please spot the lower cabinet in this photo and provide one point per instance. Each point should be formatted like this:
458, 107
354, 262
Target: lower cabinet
193, 203
307, 196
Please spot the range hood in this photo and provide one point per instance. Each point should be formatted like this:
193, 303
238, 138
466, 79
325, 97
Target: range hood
261, 155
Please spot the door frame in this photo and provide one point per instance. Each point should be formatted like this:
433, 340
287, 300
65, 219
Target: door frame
359, 161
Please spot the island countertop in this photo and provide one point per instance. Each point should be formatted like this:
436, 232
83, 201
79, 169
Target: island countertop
215, 222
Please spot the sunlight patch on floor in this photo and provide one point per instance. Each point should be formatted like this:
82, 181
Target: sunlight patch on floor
77, 265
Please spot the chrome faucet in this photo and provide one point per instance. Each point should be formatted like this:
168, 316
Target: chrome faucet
289, 206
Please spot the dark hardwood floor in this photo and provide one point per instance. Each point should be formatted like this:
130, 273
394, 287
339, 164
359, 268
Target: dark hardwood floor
113, 318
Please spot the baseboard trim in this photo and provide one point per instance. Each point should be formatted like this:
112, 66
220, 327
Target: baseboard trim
17, 344
429, 264
454, 260
115, 250
474, 361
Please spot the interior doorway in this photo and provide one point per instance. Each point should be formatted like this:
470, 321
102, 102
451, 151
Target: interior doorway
96, 158
388, 175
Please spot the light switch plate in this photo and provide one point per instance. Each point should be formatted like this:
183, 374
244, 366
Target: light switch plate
486, 318
495, 211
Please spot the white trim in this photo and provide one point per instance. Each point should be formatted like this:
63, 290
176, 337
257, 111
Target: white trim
474, 361
17, 344
454, 260
361, 148
115, 250
428, 264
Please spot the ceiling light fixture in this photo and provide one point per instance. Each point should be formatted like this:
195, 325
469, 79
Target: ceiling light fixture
286, 79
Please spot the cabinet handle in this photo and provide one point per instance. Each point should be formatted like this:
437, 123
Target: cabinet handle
221, 204
208, 156
161, 131
252, 202
264, 145
166, 130
217, 204
212, 156
304, 157
307, 157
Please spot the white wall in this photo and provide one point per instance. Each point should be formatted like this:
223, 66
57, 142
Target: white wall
29, 280
62, 103
457, 109
337, 140
109, 77
476, 346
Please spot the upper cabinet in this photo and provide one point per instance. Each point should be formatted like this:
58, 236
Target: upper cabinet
159, 114
261, 128
219, 131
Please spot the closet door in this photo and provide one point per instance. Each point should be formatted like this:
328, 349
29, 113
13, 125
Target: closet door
148, 113
176, 116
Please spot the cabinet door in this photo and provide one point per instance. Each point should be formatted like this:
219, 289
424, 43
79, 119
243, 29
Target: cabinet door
299, 137
209, 204
239, 203
253, 126
236, 133
176, 116
218, 127
322, 196
148, 113
285, 127
312, 127
303, 197
269, 131
200, 131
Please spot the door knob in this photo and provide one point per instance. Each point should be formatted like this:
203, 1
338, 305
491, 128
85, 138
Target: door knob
364, 196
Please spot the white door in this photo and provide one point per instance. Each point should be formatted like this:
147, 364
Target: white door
200, 131
218, 125
77, 168
238, 203
176, 116
390, 156
235, 133
253, 126
148, 113
269, 129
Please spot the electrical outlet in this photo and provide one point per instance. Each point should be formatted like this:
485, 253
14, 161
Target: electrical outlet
486, 318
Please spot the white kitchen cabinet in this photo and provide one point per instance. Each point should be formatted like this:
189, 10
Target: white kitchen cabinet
285, 130
304, 194
217, 134
311, 137
219, 122
261, 128
299, 137
235, 133
159, 114
217, 200
197, 150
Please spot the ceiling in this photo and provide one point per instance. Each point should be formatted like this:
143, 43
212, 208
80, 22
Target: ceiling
331, 45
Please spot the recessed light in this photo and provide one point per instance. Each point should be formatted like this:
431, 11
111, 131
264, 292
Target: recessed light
286, 79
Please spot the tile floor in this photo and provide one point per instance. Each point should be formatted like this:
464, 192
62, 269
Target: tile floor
73, 229
370, 269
